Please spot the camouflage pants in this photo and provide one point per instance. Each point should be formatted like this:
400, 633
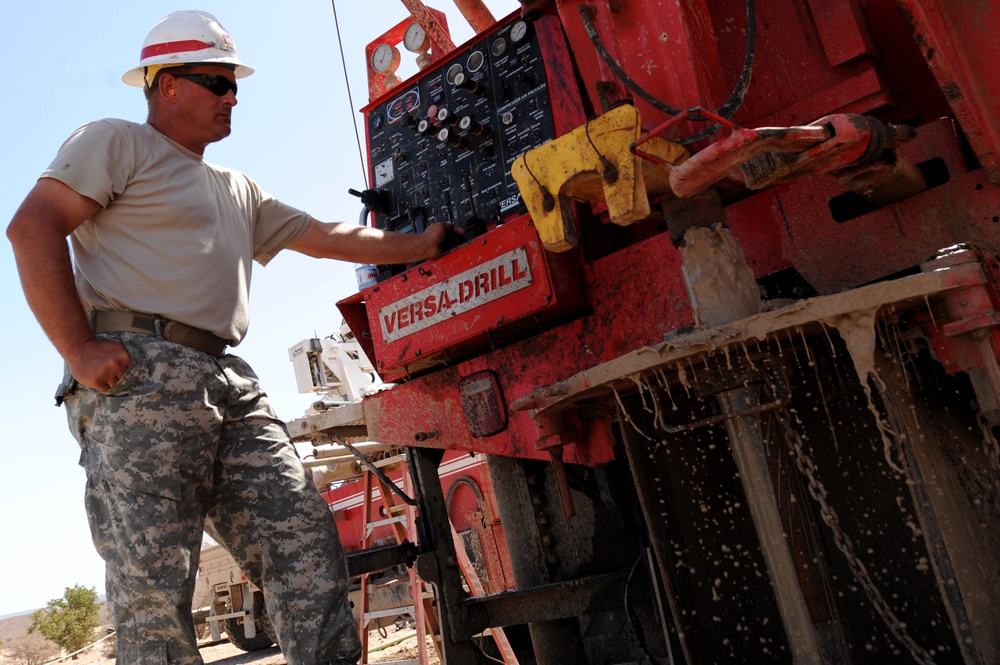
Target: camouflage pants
186, 442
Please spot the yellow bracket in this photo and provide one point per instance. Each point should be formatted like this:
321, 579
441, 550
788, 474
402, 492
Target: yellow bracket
593, 163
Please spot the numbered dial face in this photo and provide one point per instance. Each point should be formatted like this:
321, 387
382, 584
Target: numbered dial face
518, 31
415, 38
475, 61
453, 71
385, 58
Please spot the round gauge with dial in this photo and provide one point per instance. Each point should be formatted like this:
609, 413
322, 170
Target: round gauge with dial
475, 61
453, 71
499, 46
519, 31
415, 38
385, 58
375, 121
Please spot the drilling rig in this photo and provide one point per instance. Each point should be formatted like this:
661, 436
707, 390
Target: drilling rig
721, 319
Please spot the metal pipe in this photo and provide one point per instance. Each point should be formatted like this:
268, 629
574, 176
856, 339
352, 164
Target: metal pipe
337, 450
477, 14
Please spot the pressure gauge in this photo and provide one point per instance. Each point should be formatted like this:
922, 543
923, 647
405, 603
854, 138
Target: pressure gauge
475, 61
385, 58
519, 31
415, 38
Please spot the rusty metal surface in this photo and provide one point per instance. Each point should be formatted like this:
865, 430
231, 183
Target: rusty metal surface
464, 296
545, 603
725, 156
438, 563
836, 244
338, 421
477, 14
950, 529
727, 338
958, 40
380, 558
815, 58
433, 23
626, 313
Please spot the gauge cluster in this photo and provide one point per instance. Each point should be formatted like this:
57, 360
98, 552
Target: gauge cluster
441, 144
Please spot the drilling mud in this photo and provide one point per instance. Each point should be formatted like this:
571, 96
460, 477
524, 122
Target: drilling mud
816, 487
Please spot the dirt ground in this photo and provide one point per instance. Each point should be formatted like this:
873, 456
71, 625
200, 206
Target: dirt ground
381, 650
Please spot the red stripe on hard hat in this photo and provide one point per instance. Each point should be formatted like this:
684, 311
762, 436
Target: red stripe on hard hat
173, 47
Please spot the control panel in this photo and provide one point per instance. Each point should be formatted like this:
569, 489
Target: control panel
441, 144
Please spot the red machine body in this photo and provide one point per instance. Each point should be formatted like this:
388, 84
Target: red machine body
857, 141
471, 507
834, 58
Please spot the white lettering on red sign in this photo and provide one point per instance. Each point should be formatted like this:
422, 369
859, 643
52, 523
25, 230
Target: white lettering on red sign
465, 291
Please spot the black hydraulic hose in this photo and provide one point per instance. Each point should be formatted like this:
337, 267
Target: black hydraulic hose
367, 463
633, 623
727, 110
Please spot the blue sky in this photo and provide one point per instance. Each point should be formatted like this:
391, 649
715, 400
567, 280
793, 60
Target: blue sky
293, 132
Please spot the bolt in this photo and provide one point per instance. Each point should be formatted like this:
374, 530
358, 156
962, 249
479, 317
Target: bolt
417, 352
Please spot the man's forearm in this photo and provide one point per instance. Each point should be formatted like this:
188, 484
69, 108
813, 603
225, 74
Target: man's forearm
46, 272
361, 244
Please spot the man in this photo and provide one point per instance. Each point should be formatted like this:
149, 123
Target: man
176, 435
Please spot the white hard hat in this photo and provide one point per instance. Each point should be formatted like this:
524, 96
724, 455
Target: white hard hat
186, 38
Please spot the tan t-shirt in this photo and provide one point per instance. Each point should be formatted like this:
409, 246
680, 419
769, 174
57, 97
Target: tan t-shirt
175, 235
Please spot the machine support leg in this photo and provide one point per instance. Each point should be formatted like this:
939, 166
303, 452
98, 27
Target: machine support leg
555, 642
949, 526
750, 454
440, 566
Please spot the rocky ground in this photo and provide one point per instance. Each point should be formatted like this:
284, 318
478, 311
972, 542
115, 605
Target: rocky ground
381, 650
395, 646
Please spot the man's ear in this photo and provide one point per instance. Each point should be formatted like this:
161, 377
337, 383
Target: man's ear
167, 85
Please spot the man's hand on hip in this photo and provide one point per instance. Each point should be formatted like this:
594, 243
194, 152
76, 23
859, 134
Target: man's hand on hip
99, 363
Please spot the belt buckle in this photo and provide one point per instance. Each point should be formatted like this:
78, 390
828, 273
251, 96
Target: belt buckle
160, 325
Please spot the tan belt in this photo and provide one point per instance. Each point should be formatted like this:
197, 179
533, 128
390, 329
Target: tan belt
147, 324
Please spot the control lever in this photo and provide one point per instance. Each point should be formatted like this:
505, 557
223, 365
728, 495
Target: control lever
374, 200
452, 239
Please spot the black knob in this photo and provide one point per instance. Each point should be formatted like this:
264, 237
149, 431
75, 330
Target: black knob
472, 126
446, 117
446, 136
465, 83
425, 127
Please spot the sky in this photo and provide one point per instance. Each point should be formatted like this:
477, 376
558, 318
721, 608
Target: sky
293, 132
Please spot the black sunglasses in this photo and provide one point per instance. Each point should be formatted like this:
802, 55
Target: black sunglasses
216, 83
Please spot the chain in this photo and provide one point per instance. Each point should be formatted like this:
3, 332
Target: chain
992, 450
844, 544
